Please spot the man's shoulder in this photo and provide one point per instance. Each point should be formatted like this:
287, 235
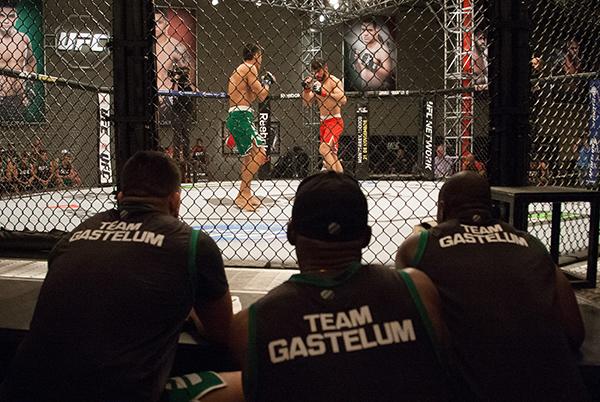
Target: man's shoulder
20, 37
334, 78
246, 67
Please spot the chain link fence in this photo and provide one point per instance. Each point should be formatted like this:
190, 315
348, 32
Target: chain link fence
55, 84
564, 103
414, 74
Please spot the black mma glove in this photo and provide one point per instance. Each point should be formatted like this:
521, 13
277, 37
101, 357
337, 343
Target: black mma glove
368, 60
267, 79
306, 83
317, 88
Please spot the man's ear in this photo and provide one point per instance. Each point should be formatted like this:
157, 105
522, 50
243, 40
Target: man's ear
367, 237
174, 201
291, 233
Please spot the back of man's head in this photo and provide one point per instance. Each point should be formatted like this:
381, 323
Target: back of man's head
150, 174
330, 207
463, 193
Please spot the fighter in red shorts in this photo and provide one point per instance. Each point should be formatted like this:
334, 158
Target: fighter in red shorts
328, 91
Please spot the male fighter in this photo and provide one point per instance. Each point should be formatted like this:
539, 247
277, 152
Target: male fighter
243, 89
15, 54
373, 60
328, 91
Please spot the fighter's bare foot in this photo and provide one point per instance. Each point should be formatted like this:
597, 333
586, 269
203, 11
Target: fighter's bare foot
243, 204
255, 201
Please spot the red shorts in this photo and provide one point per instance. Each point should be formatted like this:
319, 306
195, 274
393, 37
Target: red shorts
331, 129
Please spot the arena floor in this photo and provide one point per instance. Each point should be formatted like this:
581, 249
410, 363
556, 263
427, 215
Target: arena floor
247, 239
258, 239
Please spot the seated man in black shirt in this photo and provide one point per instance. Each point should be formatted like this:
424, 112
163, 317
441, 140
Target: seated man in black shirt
511, 314
340, 330
118, 290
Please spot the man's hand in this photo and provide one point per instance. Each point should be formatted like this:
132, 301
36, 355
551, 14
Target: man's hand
368, 60
306, 83
317, 88
358, 64
268, 79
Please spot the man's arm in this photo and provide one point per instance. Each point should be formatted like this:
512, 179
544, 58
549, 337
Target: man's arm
375, 78
238, 337
74, 175
308, 96
407, 250
213, 318
261, 91
431, 299
11, 170
30, 61
53, 171
385, 69
213, 301
338, 93
568, 311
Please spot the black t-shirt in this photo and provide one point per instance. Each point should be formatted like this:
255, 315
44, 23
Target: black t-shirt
363, 335
43, 169
497, 287
24, 171
64, 170
118, 290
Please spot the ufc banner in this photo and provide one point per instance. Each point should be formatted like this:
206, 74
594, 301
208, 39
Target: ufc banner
104, 138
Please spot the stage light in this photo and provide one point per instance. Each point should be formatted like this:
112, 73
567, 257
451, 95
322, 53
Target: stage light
335, 4
321, 18
214, 2
258, 3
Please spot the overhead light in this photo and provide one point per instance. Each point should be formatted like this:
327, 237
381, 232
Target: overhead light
214, 2
258, 3
321, 18
335, 4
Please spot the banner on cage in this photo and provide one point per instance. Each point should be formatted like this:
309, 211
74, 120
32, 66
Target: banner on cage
176, 61
104, 135
594, 160
22, 52
362, 141
370, 55
428, 134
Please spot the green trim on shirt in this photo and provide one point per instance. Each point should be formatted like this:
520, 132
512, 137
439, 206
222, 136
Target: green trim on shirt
326, 282
414, 294
423, 237
191, 265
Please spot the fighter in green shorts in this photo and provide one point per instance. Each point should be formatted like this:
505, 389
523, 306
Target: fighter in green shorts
240, 123
244, 88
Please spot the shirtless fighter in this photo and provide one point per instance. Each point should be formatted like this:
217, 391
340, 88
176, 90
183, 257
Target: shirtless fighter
328, 91
243, 89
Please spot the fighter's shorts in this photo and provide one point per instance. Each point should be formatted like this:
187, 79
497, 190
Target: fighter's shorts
331, 129
240, 124
192, 387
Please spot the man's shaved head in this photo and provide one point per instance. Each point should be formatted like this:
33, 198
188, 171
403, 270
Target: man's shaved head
465, 191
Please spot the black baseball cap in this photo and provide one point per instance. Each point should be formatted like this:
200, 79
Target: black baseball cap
330, 206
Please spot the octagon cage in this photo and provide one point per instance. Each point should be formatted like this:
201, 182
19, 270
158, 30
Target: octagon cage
415, 77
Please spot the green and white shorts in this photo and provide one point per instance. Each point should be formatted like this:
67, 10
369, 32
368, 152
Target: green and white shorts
192, 387
240, 123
